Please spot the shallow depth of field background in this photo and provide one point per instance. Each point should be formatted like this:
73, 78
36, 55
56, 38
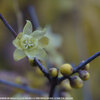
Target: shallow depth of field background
77, 21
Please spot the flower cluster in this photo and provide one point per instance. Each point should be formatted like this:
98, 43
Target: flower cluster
74, 81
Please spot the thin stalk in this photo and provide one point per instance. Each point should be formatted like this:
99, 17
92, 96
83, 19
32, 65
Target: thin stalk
34, 18
80, 66
45, 72
52, 90
22, 87
8, 26
53, 87
19, 15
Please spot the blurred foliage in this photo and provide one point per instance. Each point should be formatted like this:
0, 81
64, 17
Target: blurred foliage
77, 21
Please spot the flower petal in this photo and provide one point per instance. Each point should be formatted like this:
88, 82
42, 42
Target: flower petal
27, 28
18, 54
38, 52
31, 53
44, 41
16, 42
41, 54
38, 33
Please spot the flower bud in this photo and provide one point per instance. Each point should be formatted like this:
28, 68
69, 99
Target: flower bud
86, 67
66, 69
38, 71
53, 72
66, 85
84, 75
32, 62
76, 82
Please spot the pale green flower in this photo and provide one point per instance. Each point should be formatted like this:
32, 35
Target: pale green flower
55, 39
55, 42
30, 43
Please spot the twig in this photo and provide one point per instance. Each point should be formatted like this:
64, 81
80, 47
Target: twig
45, 72
22, 87
34, 18
80, 66
52, 90
8, 26
53, 87
18, 15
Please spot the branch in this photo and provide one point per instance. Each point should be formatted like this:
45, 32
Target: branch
80, 66
33, 16
53, 87
52, 90
45, 72
22, 87
19, 15
8, 26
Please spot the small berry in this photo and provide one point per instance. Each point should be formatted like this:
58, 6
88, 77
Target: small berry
84, 75
53, 72
86, 67
76, 82
32, 62
18, 80
66, 85
66, 69
38, 71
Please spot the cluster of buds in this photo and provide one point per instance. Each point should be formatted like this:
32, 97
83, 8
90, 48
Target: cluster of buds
74, 81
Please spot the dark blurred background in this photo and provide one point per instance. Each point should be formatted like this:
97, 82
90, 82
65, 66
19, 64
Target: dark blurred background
77, 21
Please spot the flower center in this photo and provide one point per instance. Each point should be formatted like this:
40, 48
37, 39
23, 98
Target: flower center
28, 42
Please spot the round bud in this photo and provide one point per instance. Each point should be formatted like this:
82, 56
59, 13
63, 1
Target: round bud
66, 69
53, 72
38, 71
66, 85
21, 80
86, 67
76, 82
32, 62
18, 80
84, 75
